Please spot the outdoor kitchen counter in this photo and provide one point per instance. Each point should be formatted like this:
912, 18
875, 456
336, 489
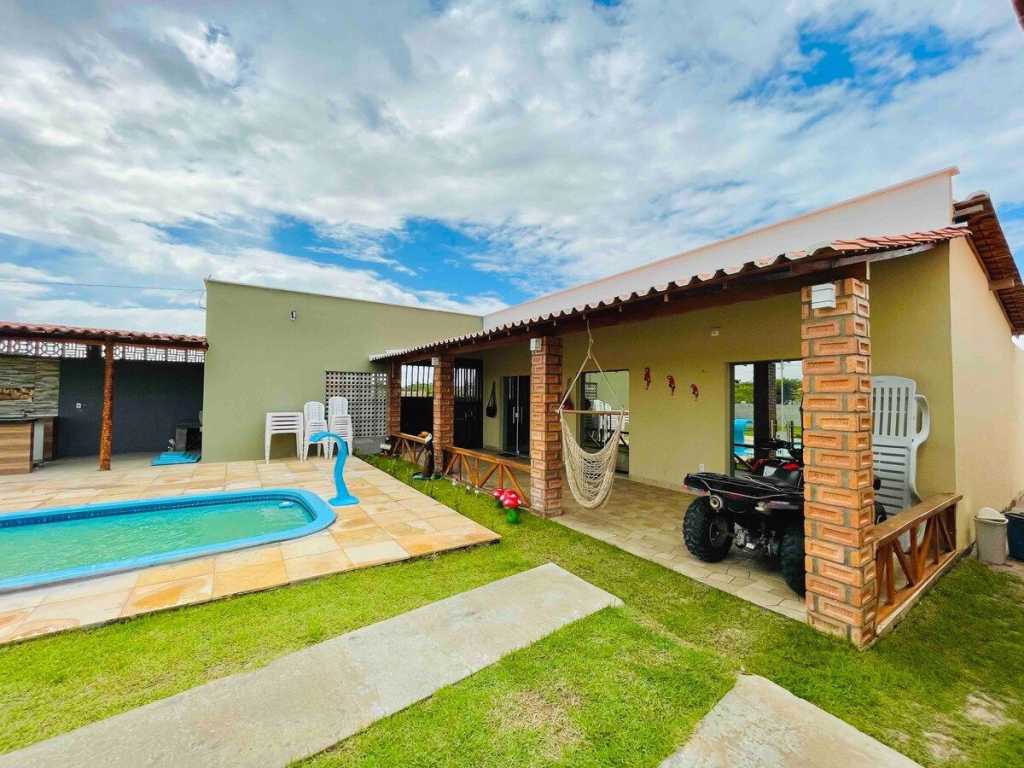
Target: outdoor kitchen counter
23, 440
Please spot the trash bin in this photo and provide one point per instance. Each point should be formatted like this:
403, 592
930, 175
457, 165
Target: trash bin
1015, 533
991, 536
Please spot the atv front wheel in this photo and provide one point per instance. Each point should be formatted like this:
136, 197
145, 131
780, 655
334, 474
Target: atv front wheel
791, 558
708, 535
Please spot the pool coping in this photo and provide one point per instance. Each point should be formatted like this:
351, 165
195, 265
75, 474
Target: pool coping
323, 516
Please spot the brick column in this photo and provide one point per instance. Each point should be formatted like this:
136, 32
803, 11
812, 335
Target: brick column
444, 408
395, 398
545, 432
839, 499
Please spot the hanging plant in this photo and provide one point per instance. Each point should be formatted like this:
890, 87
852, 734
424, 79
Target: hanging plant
647, 378
492, 404
671, 384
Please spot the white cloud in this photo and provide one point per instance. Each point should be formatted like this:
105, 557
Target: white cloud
577, 140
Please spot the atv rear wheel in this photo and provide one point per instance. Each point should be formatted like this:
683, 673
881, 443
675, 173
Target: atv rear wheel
791, 558
707, 534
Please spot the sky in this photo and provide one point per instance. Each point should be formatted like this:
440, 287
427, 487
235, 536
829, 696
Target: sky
463, 154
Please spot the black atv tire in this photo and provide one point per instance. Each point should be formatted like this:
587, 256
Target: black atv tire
881, 515
701, 538
791, 558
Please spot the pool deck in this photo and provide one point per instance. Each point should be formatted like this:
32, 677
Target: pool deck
392, 522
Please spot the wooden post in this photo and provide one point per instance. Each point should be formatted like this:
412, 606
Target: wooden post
107, 425
395, 398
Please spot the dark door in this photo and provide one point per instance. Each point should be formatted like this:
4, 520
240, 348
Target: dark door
469, 404
517, 415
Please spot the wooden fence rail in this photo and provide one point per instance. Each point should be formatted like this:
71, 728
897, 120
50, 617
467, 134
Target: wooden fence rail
477, 468
921, 543
410, 447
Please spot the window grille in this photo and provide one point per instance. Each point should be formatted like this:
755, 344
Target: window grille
367, 394
418, 380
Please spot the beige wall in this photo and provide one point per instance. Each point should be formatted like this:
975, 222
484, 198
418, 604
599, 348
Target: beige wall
504, 361
988, 384
260, 360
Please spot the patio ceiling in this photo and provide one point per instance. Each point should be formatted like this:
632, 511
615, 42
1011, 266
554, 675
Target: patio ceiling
771, 275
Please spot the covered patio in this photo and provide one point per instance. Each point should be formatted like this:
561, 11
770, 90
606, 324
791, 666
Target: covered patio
678, 341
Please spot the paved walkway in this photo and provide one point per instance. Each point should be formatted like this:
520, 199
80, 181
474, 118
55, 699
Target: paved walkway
760, 725
392, 522
307, 701
647, 521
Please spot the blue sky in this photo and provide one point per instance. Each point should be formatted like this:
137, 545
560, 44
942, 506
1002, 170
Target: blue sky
463, 154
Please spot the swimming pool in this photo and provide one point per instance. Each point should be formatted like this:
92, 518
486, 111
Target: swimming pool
51, 545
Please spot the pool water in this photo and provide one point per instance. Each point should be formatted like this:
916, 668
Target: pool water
54, 545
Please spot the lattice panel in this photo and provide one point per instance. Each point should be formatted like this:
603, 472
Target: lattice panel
136, 353
367, 395
31, 348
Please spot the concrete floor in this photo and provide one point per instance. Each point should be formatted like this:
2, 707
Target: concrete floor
392, 522
647, 521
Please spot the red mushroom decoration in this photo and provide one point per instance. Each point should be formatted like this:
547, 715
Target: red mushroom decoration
671, 384
695, 391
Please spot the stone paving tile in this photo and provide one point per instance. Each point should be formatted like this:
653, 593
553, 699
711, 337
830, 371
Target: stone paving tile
393, 522
647, 520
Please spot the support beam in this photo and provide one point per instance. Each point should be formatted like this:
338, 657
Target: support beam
839, 512
545, 430
444, 407
395, 398
107, 422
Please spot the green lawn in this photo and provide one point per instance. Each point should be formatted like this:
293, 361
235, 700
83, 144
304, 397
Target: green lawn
623, 687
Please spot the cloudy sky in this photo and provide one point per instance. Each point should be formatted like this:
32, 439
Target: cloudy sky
462, 154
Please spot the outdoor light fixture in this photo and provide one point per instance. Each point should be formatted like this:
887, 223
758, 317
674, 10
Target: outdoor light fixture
435, 362
536, 345
823, 296
293, 315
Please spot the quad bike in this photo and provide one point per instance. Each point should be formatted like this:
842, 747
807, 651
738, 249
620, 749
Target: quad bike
758, 511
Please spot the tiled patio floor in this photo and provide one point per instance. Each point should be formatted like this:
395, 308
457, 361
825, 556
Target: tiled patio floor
392, 522
647, 521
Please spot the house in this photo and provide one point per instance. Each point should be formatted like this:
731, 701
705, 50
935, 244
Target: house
920, 286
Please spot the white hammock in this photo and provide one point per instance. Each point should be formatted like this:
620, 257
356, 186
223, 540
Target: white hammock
590, 474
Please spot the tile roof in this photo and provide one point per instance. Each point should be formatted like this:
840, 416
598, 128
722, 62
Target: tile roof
989, 241
75, 333
859, 245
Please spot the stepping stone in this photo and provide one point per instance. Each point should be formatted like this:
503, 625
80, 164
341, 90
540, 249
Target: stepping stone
305, 702
760, 725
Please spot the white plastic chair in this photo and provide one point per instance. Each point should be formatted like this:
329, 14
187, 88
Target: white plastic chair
341, 424
337, 406
316, 421
282, 423
901, 423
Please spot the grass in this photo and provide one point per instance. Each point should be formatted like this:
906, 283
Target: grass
623, 687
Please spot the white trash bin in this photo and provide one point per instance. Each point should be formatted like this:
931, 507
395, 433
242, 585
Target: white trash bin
991, 536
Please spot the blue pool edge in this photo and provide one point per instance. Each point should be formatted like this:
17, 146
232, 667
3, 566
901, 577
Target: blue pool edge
323, 516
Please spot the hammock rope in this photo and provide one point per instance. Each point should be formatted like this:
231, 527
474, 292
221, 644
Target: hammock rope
590, 474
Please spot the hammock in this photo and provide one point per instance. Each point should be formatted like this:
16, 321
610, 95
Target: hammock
590, 474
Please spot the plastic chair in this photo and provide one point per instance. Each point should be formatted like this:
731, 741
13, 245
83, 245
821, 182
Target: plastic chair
315, 421
337, 406
901, 423
282, 423
341, 424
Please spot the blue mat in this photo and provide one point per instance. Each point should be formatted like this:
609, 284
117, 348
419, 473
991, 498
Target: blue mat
174, 457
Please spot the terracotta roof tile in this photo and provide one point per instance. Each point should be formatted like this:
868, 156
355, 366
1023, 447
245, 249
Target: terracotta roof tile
76, 333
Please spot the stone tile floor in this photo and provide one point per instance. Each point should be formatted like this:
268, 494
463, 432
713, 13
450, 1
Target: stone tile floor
647, 521
392, 522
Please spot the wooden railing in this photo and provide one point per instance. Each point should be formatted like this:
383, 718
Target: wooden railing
409, 447
478, 468
921, 559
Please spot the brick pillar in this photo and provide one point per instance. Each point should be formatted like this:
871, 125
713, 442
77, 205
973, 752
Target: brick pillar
545, 432
839, 499
444, 408
395, 398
